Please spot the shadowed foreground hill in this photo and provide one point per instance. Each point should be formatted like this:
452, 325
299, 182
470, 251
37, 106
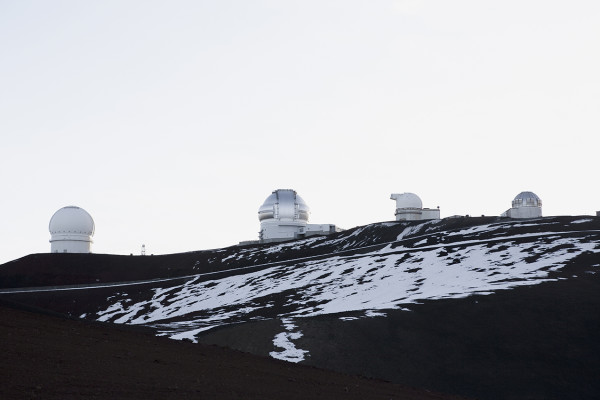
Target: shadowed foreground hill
48, 357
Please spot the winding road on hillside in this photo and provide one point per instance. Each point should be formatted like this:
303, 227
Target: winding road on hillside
294, 260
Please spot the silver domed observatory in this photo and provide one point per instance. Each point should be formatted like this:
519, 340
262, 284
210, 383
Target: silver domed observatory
284, 204
284, 216
71, 229
409, 207
525, 205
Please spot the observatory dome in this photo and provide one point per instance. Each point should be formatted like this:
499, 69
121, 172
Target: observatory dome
72, 229
407, 200
526, 199
284, 204
72, 219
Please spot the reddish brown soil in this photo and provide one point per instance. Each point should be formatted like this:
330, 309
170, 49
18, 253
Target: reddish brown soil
48, 357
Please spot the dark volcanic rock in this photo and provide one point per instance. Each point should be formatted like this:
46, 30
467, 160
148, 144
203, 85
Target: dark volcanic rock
54, 358
482, 307
531, 342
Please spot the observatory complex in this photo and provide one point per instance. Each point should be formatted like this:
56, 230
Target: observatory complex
71, 230
525, 205
409, 207
284, 216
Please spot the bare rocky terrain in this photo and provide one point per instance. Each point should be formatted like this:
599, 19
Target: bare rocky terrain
486, 308
52, 357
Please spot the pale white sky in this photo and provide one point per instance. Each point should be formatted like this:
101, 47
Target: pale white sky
170, 122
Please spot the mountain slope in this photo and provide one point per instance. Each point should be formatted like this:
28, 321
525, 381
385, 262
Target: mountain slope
482, 307
55, 358
480, 259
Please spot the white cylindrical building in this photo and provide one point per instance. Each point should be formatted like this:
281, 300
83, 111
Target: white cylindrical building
409, 206
71, 230
282, 216
525, 205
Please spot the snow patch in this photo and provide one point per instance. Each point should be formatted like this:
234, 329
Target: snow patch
421, 242
284, 341
373, 313
189, 335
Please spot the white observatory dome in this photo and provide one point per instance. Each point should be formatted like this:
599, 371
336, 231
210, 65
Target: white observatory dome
407, 200
72, 229
284, 204
526, 199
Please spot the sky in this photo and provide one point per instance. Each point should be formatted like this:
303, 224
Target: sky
171, 122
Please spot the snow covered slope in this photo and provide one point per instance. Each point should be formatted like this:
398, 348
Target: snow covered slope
422, 262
